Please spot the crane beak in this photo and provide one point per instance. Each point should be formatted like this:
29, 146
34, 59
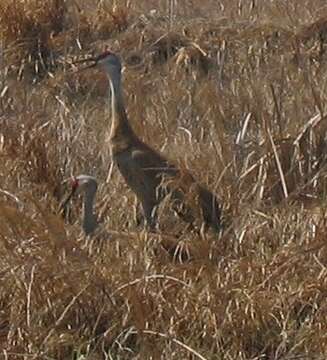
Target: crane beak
92, 65
64, 204
72, 192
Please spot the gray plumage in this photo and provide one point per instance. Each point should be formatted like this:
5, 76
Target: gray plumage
146, 171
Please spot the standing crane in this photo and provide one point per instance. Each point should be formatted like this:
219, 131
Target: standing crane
150, 176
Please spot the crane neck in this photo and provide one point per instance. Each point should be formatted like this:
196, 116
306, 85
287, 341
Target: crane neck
120, 126
89, 219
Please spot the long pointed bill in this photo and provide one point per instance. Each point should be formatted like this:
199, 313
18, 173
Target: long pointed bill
65, 203
95, 59
86, 61
63, 206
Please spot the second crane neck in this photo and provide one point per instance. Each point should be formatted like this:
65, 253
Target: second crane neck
89, 219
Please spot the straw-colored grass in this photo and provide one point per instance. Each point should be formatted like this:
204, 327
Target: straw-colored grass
235, 91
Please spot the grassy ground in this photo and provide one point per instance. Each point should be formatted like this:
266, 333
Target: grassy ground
233, 90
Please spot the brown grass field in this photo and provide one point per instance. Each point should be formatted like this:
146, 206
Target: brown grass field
235, 91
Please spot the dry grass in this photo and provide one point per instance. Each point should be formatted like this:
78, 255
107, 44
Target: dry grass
236, 92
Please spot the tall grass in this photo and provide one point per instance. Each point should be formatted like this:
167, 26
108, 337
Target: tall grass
232, 90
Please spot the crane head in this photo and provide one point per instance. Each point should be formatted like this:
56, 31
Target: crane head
78, 183
81, 181
107, 60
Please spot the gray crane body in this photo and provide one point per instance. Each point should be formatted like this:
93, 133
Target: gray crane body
147, 172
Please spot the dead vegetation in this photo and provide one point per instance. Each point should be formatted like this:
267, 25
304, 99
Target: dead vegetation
235, 91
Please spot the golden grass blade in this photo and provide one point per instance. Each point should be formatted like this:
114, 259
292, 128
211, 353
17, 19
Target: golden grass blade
279, 166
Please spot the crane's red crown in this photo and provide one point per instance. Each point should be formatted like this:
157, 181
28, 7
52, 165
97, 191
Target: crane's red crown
74, 183
103, 55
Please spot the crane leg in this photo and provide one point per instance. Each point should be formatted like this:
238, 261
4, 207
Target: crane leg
150, 214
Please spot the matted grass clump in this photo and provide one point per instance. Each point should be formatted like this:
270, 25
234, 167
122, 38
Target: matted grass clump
27, 29
235, 92
35, 36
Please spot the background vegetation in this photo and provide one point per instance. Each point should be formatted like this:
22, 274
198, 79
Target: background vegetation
234, 91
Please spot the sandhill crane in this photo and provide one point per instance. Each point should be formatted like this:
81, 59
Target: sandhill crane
150, 176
